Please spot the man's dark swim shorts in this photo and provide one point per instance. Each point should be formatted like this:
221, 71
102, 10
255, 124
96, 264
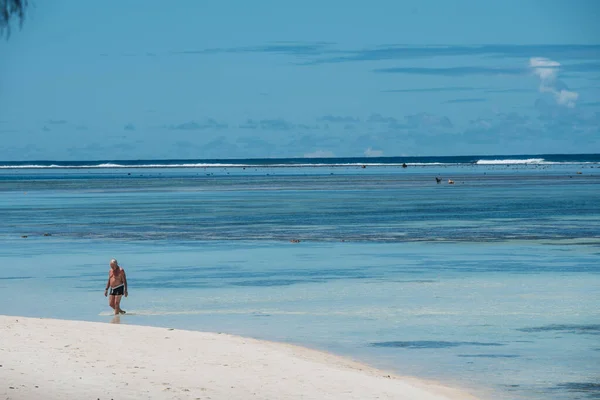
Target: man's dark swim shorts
117, 291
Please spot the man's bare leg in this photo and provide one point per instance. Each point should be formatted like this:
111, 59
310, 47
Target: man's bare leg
118, 305
111, 301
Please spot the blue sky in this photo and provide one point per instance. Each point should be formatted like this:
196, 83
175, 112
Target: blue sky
241, 79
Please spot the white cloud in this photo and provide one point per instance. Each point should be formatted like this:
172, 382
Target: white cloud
545, 68
426, 120
373, 153
547, 71
566, 98
319, 154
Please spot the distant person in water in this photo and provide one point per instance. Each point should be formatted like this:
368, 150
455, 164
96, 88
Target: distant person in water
116, 286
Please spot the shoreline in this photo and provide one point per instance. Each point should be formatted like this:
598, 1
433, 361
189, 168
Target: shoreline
58, 359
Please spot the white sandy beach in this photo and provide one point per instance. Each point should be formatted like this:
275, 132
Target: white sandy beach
56, 359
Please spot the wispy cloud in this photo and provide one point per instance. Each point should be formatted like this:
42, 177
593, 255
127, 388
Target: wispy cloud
276, 124
369, 152
547, 129
253, 143
500, 121
402, 52
221, 145
581, 67
420, 120
591, 104
433, 90
337, 119
380, 119
193, 125
319, 154
282, 48
547, 70
510, 90
313, 53
472, 100
187, 126
453, 71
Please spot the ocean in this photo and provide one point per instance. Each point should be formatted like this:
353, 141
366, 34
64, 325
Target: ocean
491, 283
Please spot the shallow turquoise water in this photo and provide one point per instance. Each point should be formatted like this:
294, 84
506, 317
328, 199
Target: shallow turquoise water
491, 284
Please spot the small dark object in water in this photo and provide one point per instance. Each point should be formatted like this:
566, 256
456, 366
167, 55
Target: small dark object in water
364, 166
438, 180
24, 236
47, 234
295, 241
404, 165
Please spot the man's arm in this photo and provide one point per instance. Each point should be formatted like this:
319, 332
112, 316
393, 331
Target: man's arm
107, 286
125, 282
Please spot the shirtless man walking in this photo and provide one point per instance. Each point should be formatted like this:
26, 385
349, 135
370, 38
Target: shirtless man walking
117, 284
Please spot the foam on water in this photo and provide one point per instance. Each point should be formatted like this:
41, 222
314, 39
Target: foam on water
309, 162
512, 161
